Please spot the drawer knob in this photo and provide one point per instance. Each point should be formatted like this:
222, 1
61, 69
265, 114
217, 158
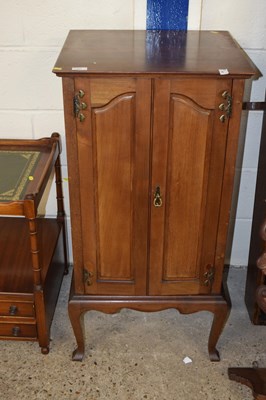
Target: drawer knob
13, 310
16, 331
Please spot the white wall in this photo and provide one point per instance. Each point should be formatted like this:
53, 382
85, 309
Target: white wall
33, 31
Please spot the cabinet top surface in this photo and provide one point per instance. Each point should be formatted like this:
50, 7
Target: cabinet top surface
153, 52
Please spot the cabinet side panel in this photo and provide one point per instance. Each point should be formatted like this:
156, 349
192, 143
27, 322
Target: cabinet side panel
189, 141
74, 182
113, 137
228, 179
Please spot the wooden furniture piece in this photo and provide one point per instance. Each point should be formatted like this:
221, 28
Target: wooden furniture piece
255, 277
152, 121
33, 251
261, 297
255, 378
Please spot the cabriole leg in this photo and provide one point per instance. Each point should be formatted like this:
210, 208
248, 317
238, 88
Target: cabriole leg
221, 315
76, 316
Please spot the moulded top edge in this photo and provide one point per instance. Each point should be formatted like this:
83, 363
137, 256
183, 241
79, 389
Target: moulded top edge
153, 52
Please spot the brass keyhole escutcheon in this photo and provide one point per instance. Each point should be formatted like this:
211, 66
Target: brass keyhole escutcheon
157, 200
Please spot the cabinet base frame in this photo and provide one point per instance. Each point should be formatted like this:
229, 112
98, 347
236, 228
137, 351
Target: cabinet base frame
218, 304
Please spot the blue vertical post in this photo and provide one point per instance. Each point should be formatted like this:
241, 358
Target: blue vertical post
167, 14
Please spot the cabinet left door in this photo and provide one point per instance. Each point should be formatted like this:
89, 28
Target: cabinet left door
108, 144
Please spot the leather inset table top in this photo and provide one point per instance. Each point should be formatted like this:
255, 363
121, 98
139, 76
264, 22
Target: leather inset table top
16, 171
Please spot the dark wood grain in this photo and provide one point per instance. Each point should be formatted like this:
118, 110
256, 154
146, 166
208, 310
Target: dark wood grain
255, 378
151, 150
152, 52
218, 305
17, 274
33, 254
255, 277
255, 295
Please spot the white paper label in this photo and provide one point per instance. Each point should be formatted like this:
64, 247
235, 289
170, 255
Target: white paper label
223, 71
79, 68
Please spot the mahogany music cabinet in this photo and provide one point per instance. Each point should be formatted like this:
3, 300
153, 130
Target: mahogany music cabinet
152, 121
33, 250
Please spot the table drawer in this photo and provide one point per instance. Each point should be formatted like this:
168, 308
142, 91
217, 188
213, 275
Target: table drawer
16, 309
18, 330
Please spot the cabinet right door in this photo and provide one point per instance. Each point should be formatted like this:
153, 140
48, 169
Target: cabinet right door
188, 154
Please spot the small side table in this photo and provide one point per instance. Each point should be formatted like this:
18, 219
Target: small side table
33, 249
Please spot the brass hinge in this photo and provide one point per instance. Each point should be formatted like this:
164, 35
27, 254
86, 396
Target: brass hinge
209, 276
79, 106
87, 277
226, 106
